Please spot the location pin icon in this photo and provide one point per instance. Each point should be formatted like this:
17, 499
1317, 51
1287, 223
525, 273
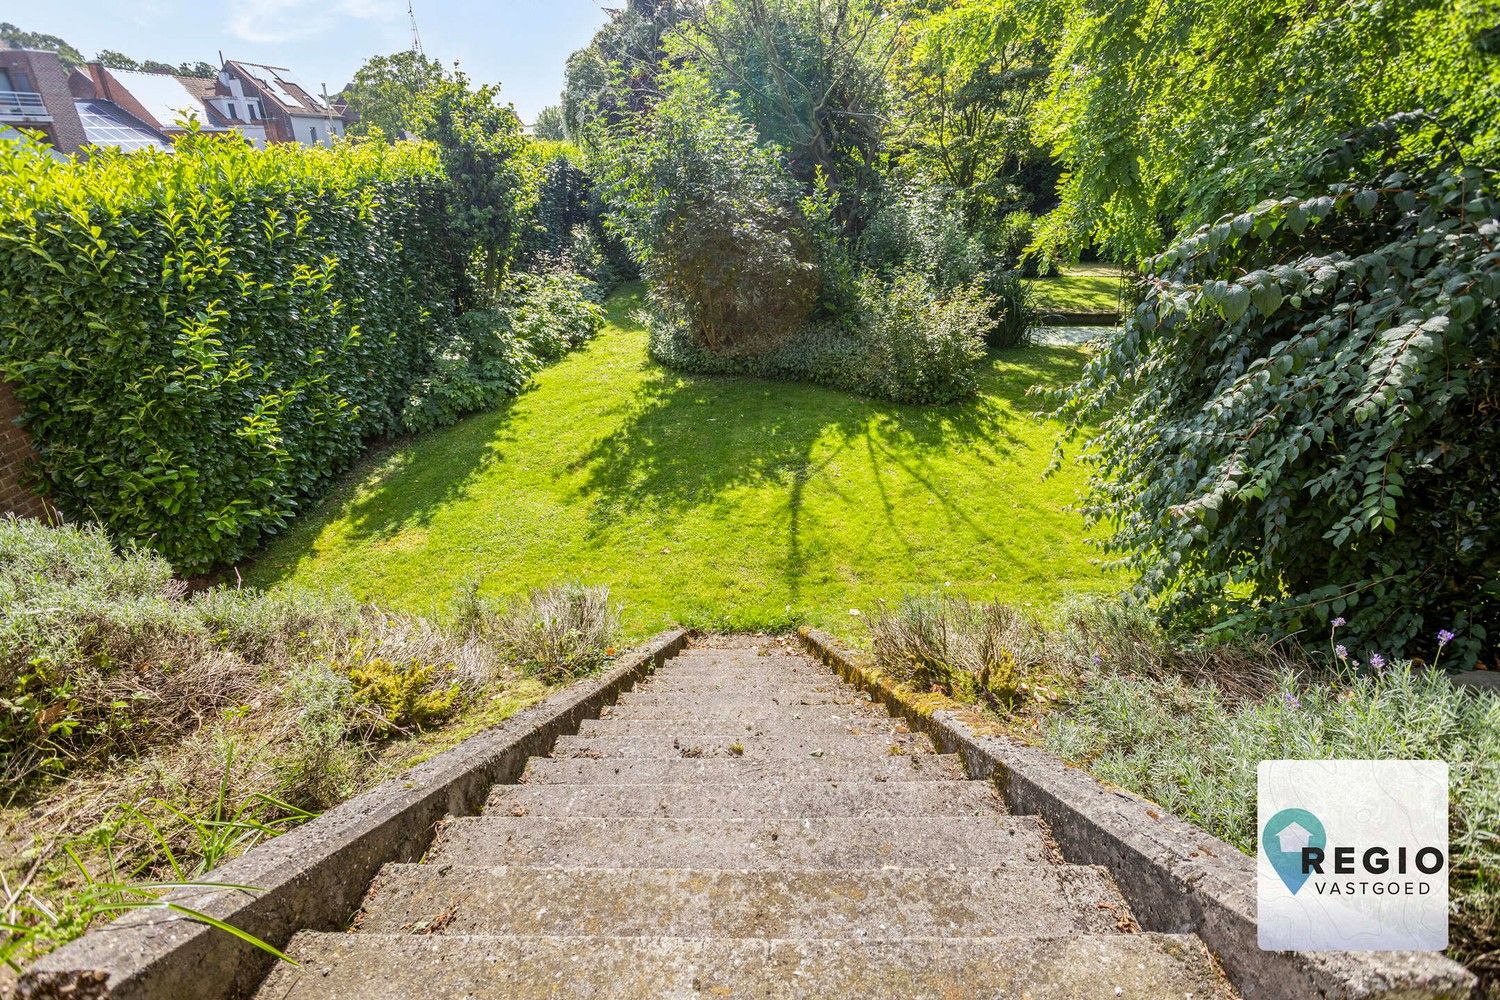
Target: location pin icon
1283, 839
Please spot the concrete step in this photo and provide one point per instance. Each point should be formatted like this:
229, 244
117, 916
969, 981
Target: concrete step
732, 770
744, 686
753, 844
1065, 967
882, 725
765, 712
933, 799
783, 697
748, 746
887, 905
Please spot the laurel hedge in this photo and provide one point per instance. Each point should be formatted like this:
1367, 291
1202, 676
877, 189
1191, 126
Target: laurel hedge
203, 339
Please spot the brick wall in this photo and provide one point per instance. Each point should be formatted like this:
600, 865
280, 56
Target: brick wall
45, 75
15, 455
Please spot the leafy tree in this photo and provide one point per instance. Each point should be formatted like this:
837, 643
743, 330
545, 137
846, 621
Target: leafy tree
16, 38
199, 69
493, 186
615, 76
549, 124
966, 83
1169, 113
1296, 424
709, 212
116, 60
811, 76
386, 92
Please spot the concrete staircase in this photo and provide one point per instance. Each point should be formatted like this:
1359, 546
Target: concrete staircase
744, 825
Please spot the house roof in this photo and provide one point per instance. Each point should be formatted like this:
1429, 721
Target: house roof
107, 124
280, 86
167, 99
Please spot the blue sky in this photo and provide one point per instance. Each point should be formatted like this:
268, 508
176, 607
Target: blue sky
522, 44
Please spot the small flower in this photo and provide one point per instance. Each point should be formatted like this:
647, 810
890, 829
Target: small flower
853, 612
1341, 652
1377, 661
1444, 637
1291, 700
1338, 622
1096, 659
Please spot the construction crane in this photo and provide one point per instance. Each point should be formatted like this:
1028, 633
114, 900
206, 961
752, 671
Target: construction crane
416, 36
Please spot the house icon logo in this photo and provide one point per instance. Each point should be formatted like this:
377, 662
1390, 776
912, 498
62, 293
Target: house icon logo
1285, 837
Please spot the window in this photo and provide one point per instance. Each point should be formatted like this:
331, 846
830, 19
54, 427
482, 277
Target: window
312, 133
232, 109
5, 80
254, 109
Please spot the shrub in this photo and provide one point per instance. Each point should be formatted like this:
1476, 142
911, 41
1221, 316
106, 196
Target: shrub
1009, 238
1296, 424
710, 213
1196, 751
920, 227
493, 353
559, 632
971, 651
204, 339
908, 346
1014, 312
922, 348
403, 694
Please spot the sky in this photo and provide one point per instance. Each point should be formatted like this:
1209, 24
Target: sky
521, 44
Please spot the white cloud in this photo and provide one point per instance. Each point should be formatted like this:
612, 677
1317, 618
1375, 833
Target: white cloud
269, 21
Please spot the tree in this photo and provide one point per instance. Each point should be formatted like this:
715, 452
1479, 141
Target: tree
615, 76
966, 83
116, 60
15, 38
493, 186
810, 75
1169, 113
549, 124
386, 92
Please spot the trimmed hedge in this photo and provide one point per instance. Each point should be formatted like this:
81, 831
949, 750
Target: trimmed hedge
204, 339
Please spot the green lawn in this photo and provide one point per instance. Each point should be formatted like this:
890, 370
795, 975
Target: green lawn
1081, 288
714, 502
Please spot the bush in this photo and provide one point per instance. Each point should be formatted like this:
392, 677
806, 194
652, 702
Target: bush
920, 227
204, 339
1009, 238
971, 651
922, 348
560, 632
493, 353
1014, 312
1196, 751
1297, 424
908, 346
710, 213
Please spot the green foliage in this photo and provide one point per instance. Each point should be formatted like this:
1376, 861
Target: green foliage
204, 339
1013, 309
923, 344
709, 212
920, 227
492, 185
493, 353
1195, 751
809, 77
615, 76
568, 233
13, 37
966, 650
1168, 114
909, 343
387, 92
549, 125
967, 79
1296, 420
402, 694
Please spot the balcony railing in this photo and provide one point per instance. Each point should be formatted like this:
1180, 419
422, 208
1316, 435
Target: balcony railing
22, 104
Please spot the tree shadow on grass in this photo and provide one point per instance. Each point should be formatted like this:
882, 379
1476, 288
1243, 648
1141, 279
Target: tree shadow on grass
687, 439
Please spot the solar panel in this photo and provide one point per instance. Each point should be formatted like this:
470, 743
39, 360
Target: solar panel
104, 124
